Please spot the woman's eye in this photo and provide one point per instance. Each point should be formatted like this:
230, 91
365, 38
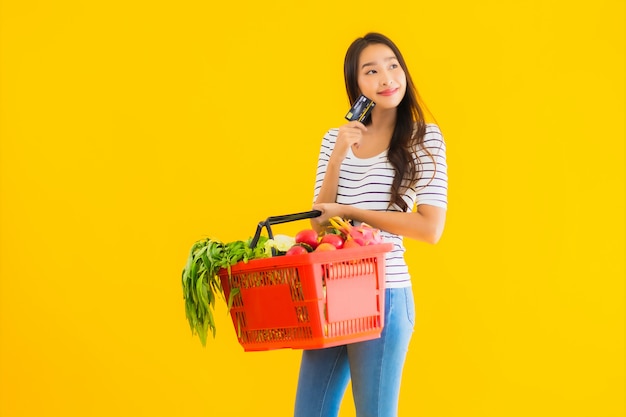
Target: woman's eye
394, 66
371, 72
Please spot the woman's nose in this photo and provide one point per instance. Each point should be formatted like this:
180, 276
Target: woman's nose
386, 79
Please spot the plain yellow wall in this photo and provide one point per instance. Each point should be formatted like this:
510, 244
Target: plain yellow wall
129, 130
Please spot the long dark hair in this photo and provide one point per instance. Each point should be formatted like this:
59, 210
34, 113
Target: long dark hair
410, 129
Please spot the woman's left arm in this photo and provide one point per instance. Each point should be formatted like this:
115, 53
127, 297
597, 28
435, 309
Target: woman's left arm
426, 224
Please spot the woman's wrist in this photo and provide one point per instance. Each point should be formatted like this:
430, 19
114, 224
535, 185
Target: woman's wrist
350, 212
334, 165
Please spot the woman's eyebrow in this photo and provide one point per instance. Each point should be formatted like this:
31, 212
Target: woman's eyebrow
371, 64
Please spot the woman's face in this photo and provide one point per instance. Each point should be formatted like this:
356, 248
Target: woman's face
380, 76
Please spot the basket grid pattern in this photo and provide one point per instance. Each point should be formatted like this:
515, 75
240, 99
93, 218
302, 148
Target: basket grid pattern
276, 335
257, 279
308, 302
347, 269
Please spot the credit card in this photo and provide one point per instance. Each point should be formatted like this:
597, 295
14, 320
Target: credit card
361, 109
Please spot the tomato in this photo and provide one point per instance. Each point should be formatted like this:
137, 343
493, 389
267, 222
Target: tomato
335, 240
296, 250
308, 236
305, 246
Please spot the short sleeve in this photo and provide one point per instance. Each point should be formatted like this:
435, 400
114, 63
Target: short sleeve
432, 185
328, 144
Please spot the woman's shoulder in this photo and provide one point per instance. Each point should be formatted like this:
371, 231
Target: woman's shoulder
331, 135
333, 131
432, 143
433, 135
433, 129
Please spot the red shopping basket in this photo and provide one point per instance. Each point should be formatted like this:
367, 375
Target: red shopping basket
307, 301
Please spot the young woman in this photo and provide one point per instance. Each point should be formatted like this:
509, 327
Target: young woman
390, 173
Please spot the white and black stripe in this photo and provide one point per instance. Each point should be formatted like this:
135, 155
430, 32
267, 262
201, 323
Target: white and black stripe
366, 183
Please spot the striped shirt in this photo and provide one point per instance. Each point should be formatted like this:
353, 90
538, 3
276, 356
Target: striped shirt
366, 184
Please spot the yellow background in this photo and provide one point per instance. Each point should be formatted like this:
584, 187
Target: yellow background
131, 129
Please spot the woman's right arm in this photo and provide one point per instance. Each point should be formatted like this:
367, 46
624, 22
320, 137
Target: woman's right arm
348, 135
328, 191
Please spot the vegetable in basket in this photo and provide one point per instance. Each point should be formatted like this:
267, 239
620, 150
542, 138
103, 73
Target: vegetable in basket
280, 243
201, 282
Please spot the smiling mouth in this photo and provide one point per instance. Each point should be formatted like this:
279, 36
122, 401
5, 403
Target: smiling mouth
388, 92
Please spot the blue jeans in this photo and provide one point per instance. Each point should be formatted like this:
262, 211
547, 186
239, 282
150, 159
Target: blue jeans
375, 367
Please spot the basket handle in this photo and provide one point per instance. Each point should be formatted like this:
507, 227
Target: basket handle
281, 219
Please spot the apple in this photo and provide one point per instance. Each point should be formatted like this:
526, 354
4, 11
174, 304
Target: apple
308, 236
333, 239
296, 250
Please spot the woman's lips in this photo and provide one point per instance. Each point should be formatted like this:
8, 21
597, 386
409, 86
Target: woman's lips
388, 92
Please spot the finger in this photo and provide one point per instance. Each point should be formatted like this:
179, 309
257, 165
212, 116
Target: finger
319, 207
356, 125
360, 125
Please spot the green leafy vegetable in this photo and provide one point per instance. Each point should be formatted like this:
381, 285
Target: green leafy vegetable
201, 281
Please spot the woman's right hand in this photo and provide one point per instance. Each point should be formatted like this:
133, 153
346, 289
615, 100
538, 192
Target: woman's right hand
349, 135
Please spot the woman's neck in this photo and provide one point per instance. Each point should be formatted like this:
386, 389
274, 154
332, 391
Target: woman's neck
378, 135
383, 121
